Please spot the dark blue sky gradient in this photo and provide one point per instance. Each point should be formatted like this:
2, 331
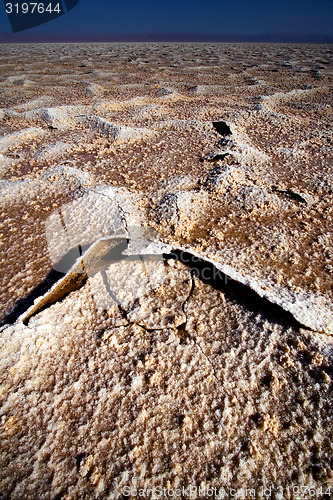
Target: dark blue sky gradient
235, 18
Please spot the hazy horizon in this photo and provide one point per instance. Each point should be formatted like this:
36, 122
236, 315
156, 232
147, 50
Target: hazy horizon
28, 37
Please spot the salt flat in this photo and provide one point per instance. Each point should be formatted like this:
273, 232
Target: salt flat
211, 363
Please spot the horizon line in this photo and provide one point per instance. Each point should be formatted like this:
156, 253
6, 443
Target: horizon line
167, 37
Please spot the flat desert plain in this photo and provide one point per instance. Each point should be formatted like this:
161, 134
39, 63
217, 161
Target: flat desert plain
166, 271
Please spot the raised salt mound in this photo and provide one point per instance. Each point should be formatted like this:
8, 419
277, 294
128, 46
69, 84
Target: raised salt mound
20, 137
62, 117
112, 130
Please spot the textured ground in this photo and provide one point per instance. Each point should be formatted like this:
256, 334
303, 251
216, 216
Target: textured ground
190, 378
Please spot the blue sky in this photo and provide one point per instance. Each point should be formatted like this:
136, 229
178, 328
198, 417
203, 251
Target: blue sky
205, 17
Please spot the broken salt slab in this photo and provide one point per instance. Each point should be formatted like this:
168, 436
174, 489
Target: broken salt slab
103, 211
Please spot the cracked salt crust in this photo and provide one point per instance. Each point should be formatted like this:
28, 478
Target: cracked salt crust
181, 382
